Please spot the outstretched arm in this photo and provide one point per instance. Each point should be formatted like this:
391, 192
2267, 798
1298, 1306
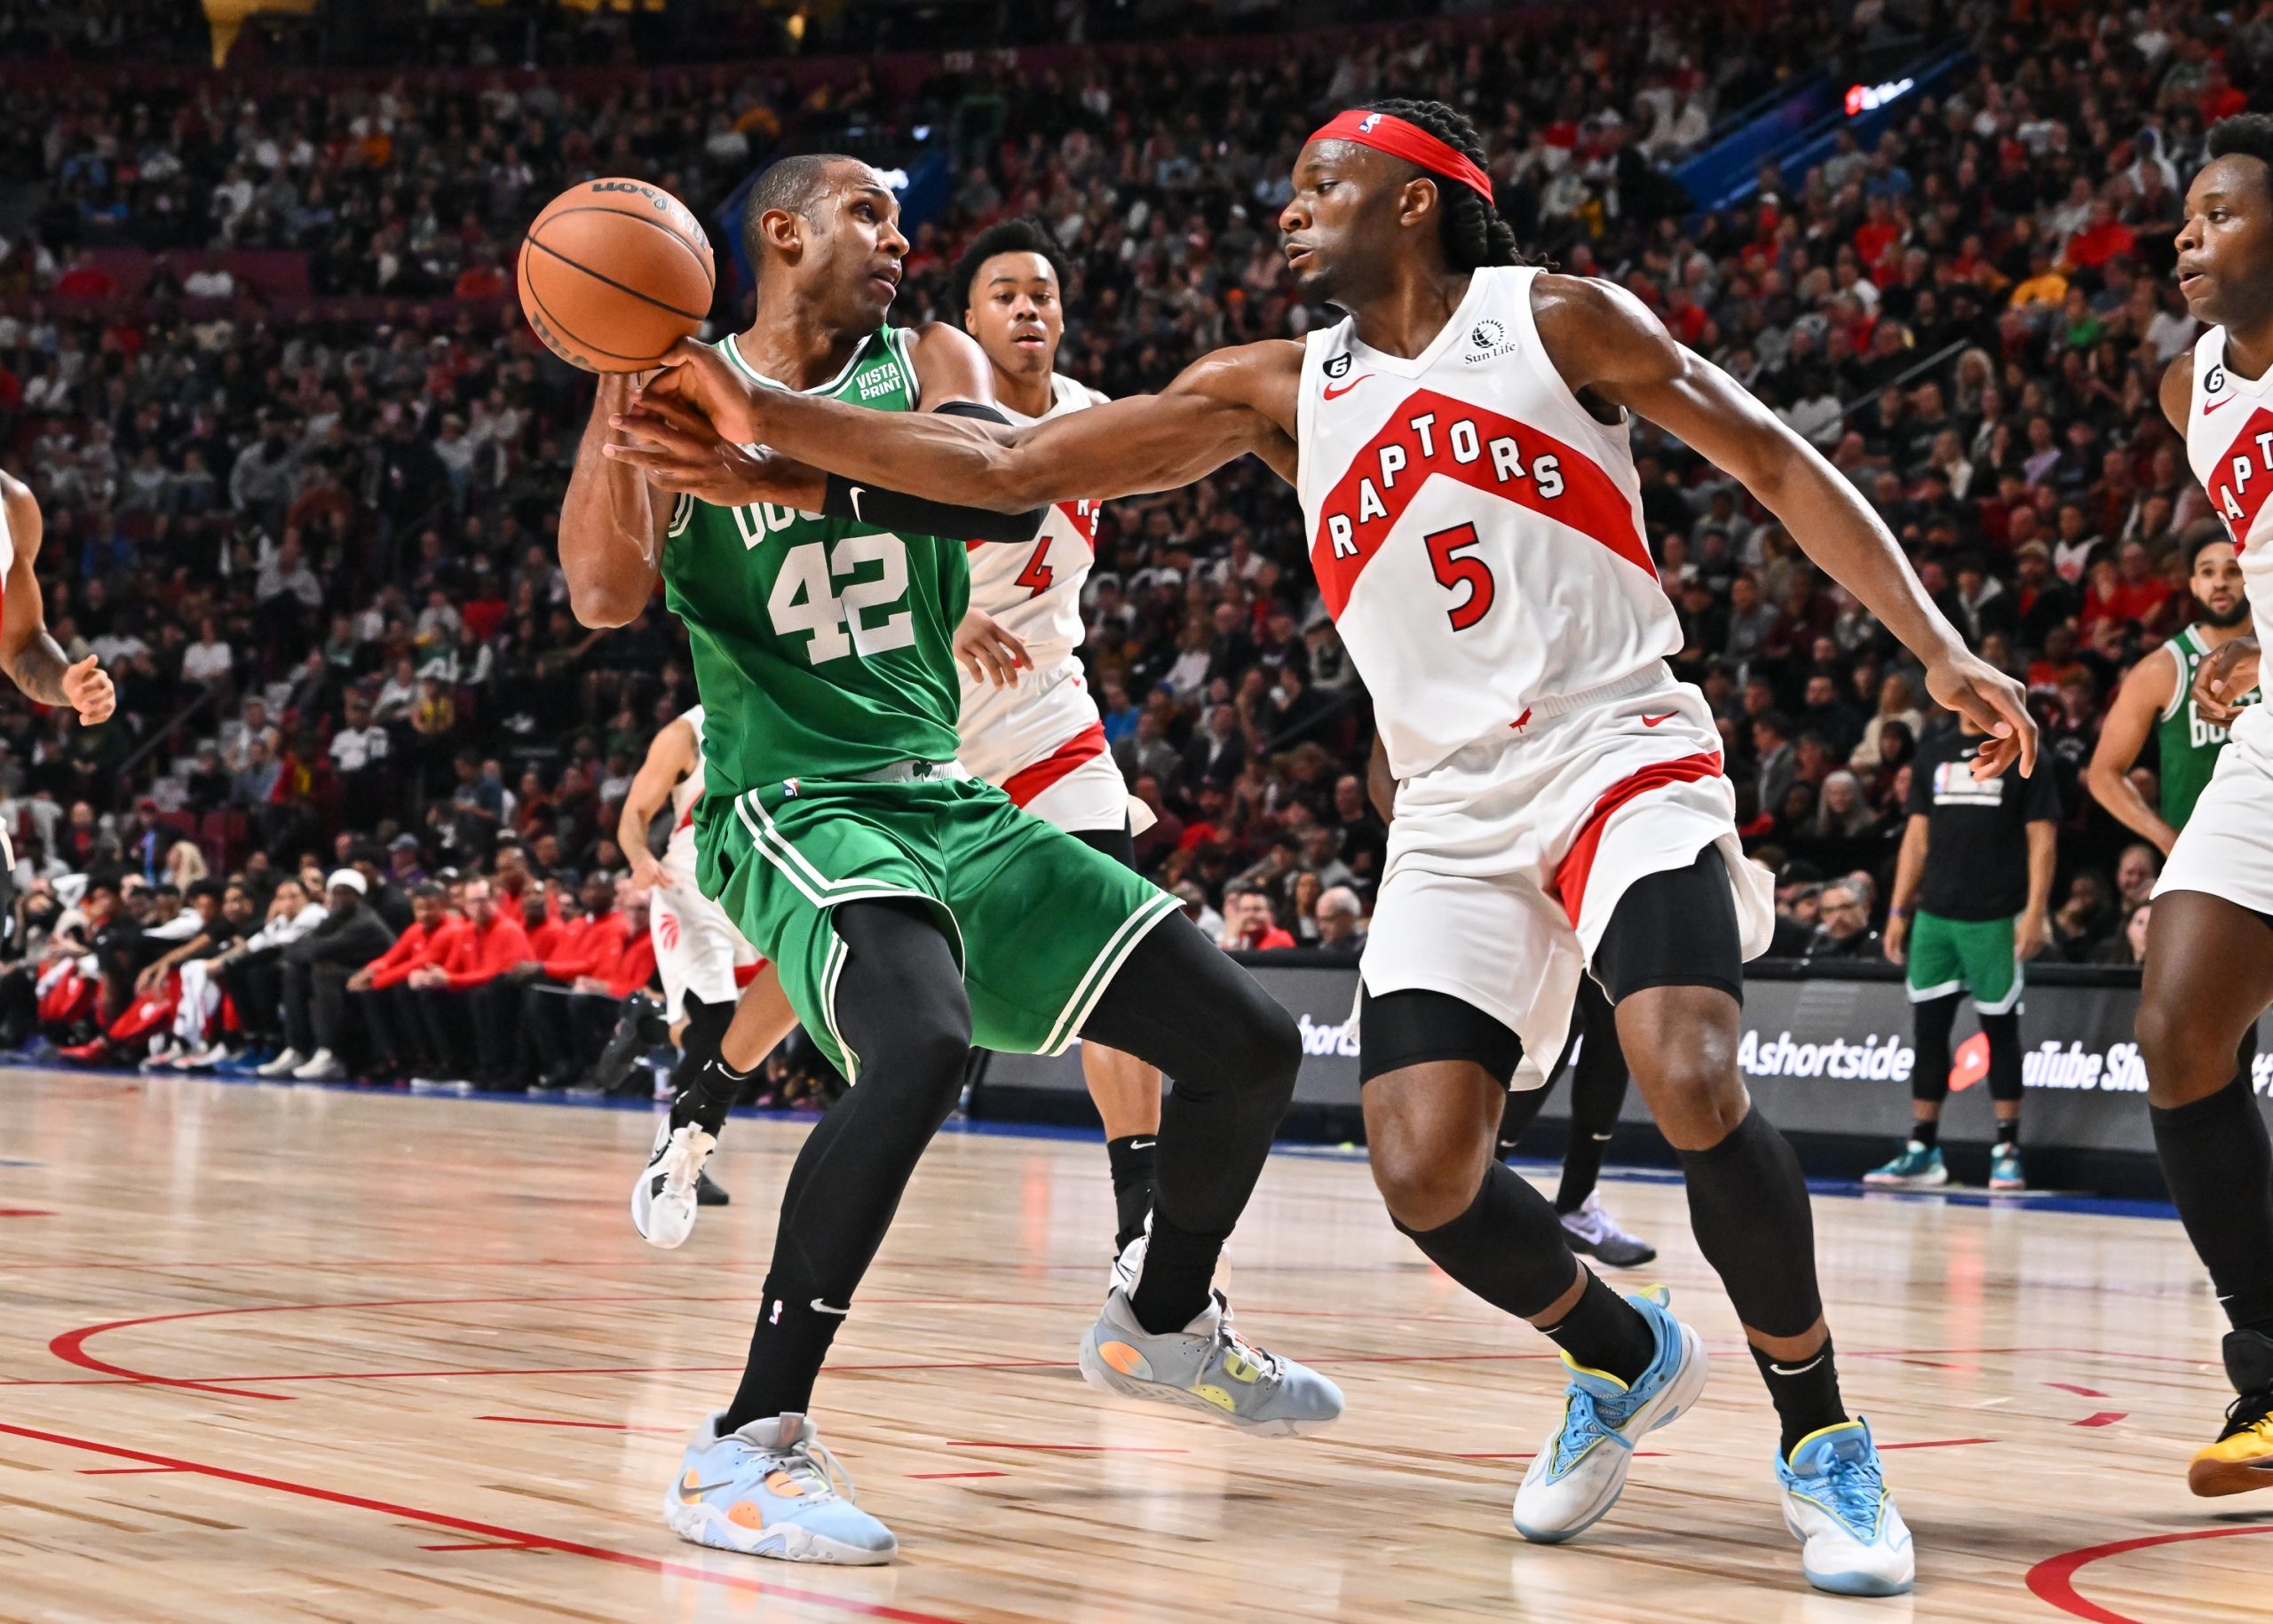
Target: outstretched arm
1220, 408
30, 654
1605, 343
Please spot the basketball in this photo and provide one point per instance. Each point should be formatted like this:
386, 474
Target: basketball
614, 273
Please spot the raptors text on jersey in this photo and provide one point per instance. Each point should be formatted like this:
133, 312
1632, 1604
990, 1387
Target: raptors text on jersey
2230, 446
1477, 533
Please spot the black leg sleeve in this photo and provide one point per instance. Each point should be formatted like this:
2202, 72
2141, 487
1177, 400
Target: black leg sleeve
1598, 1093
900, 1007
1232, 1052
1930, 1024
2218, 1162
2004, 1034
1748, 1208
327, 1006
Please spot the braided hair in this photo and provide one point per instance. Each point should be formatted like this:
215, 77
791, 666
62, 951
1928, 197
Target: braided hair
1474, 233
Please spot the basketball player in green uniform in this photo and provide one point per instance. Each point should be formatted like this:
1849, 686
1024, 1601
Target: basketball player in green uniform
912, 910
2158, 698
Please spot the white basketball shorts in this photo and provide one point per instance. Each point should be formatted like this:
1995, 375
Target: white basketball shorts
2226, 848
1042, 743
1507, 860
697, 948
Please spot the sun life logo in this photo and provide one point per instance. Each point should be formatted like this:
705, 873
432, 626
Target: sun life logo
1487, 338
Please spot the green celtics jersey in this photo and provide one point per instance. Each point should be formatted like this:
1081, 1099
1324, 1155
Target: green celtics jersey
823, 647
2188, 745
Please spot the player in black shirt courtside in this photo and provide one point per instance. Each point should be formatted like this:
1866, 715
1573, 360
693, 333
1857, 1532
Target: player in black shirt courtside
1970, 892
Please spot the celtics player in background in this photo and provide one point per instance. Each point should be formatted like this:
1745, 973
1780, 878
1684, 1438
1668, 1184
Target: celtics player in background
2158, 698
1972, 890
911, 909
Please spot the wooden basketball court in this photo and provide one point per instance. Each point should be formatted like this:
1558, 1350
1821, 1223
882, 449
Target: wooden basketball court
272, 1353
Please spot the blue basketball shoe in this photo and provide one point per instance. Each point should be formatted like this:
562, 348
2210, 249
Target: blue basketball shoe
771, 1490
1576, 1477
1836, 1505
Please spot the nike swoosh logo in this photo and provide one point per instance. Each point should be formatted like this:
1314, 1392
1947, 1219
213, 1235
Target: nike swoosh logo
692, 1492
857, 492
1653, 721
2214, 405
1331, 393
1141, 1145
819, 1307
1796, 1370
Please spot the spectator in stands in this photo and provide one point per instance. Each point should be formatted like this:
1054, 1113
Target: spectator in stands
379, 989
1341, 922
1247, 923
465, 1001
316, 971
2127, 946
1843, 923
252, 973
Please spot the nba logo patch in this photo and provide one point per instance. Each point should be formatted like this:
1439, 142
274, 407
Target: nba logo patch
789, 788
1365, 124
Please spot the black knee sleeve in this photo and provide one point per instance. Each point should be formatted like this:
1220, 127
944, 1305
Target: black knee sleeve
1748, 1208
1930, 1069
1675, 928
2004, 1034
1508, 1248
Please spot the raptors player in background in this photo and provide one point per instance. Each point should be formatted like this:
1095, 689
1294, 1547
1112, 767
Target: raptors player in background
1459, 448
697, 950
1037, 732
2209, 971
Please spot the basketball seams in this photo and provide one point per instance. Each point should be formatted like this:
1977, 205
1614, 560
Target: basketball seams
601, 276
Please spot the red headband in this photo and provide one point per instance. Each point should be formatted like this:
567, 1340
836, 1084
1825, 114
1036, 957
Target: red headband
1386, 132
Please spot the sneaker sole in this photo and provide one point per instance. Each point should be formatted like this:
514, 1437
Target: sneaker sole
1105, 1379
1854, 1582
1662, 1411
1884, 1181
2212, 1479
643, 1212
705, 1525
1631, 1255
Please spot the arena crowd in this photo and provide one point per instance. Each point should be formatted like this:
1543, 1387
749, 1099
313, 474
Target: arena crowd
301, 464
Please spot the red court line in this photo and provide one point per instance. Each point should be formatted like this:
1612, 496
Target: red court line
121, 1471
26, 1212
2054, 1579
485, 1545
965, 1443
70, 1347
604, 1426
490, 1531
2080, 1392
2104, 1418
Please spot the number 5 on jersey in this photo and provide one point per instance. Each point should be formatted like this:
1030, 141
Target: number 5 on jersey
805, 597
1452, 554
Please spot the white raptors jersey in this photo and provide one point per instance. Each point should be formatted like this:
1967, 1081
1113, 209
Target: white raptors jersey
1034, 589
2230, 443
1476, 532
686, 795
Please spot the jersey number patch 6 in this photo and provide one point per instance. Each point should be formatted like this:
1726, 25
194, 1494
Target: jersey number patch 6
806, 597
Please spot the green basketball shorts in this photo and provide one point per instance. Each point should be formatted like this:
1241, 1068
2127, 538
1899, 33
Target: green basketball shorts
1975, 955
1039, 922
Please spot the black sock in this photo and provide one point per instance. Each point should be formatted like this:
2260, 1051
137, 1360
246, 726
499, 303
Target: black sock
1927, 1131
785, 1351
2218, 1165
1806, 1392
1604, 1332
2009, 1131
1179, 1276
1130, 1157
712, 1094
